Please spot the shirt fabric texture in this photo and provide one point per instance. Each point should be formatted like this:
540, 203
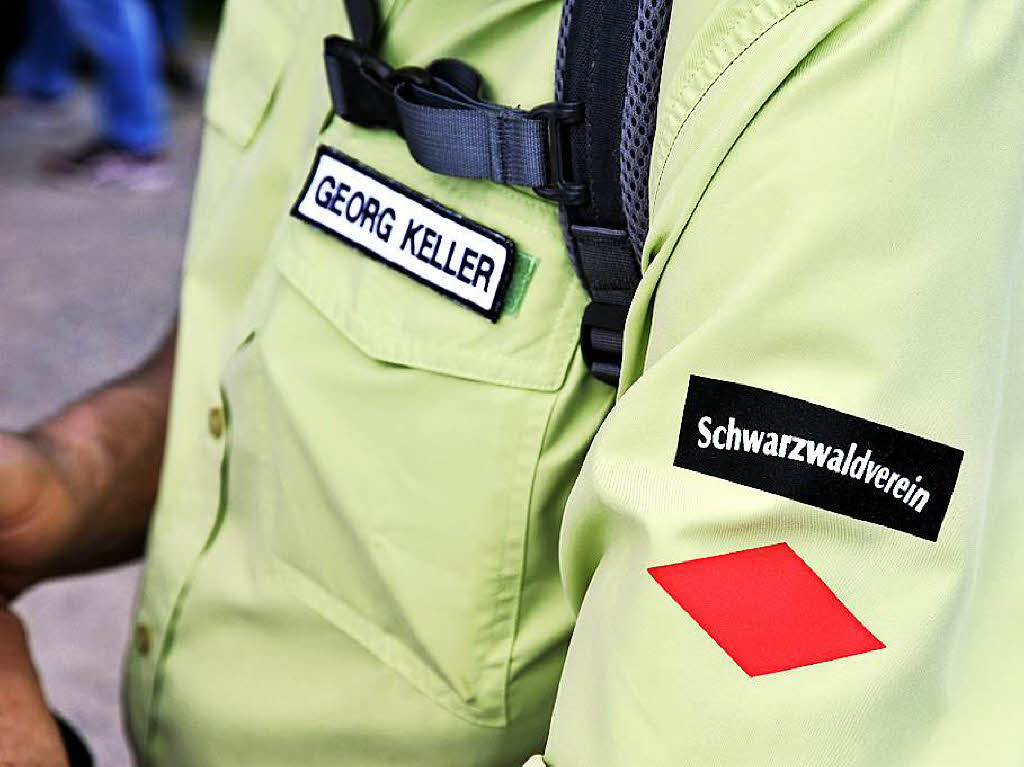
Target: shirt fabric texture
380, 558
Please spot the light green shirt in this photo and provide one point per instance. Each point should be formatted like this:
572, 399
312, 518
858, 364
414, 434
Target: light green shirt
375, 562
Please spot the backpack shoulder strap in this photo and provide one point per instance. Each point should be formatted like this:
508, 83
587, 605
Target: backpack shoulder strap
589, 150
609, 60
363, 18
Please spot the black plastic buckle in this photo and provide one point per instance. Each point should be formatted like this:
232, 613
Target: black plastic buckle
363, 85
601, 336
358, 83
559, 188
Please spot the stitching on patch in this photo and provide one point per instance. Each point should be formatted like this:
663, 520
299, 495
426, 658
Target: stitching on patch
492, 313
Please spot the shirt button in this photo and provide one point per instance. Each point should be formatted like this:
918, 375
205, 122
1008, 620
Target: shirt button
215, 421
142, 639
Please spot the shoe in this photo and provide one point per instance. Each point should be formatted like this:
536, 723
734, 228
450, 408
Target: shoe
102, 162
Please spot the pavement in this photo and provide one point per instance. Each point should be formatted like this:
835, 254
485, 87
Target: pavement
88, 284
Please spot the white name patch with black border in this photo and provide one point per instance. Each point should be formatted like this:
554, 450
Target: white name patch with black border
407, 231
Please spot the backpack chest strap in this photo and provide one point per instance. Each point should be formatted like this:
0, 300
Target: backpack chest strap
569, 151
447, 126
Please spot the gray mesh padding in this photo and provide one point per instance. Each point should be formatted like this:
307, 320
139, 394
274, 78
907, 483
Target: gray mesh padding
640, 112
563, 35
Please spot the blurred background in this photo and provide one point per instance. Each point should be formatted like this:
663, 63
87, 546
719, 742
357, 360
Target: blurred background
100, 116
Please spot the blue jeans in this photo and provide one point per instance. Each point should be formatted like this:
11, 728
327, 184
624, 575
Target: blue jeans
170, 18
121, 35
41, 69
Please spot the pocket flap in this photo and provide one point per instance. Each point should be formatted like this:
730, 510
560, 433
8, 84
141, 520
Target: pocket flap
395, 319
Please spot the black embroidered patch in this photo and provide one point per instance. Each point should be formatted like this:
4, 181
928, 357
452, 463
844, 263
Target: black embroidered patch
818, 456
407, 231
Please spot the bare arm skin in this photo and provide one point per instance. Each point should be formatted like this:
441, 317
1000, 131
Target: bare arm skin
76, 492
28, 734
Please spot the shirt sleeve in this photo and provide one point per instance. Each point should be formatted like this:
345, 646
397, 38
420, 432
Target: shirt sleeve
791, 541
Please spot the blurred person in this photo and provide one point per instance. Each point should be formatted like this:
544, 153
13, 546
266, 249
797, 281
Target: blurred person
171, 20
133, 133
390, 520
12, 33
39, 74
30, 736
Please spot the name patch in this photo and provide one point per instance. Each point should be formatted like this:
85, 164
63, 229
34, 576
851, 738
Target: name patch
818, 456
407, 231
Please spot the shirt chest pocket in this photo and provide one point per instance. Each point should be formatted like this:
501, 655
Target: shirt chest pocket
406, 429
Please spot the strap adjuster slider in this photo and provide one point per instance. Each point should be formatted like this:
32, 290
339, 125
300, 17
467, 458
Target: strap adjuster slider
601, 338
557, 116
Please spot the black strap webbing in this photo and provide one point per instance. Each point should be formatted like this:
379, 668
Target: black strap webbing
447, 126
596, 42
567, 150
362, 17
497, 143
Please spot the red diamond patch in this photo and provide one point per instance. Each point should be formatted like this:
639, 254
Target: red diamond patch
766, 608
